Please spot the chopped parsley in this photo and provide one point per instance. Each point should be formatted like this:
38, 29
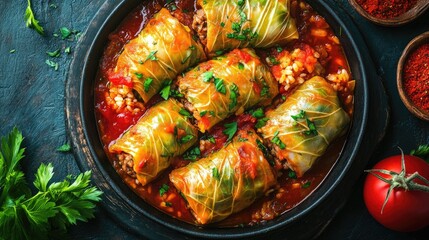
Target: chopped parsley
241, 139
207, 76
311, 127
240, 66
220, 86
165, 91
306, 184
138, 75
264, 150
215, 173
222, 24
147, 84
292, 174
185, 112
151, 56
55, 53
258, 113
219, 52
279, 49
230, 130
163, 189
12, 51
300, 115
52, 64
65, 32
192, 154
211, 139
261, 122
273, 60
276, 140
67, 50
186, 139
168, 204
265, 89
240, 3
233, 94
64, 148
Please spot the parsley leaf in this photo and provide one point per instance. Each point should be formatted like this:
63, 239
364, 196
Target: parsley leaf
276, 140
220, 86
55, 53
185, 112
422, 151
261, 122
215, 173
147, 84
151, 56
64, 148
240, 66
165, 91
258, 113
54, 207
300, 115
311, 127
306, 184
192, 154
65, 32
52, 64
31, 21
163, 189
186, 138
207, 76
233, 94
230, 130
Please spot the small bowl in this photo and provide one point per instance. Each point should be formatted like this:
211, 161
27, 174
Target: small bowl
410, 48
410, 15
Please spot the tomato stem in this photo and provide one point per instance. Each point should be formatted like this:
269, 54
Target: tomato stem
400, 180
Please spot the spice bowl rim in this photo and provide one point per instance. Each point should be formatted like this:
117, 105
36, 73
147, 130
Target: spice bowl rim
410, 48
409, 16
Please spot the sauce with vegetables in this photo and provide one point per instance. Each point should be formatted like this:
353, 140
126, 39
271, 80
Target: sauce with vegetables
317, 51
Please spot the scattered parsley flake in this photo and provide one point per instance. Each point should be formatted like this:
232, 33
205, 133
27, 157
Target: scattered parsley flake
65, 32
233, 94
55, 53
220, 86
185, 112
276, 140
147, 84
151, 56
300, 115
215, 173
230, 130
67, 50
163, 189
186, 138
12, 51
211, 139
52, 64
207, 76
64, 148
292, 174
261, 122
306, 184
258, 113
240, 66
192, 154
138, 75
165, 91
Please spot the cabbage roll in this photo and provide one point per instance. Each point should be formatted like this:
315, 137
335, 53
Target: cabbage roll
162, 50
162, 133
227, 181
226, 24
227, 85
300, 129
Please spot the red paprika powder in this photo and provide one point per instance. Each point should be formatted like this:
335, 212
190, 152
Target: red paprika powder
416, 77
386, 9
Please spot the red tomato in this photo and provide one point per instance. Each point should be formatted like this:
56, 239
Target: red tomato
405, 210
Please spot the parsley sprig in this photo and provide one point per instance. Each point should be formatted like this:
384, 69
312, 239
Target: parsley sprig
31, 21
55, 206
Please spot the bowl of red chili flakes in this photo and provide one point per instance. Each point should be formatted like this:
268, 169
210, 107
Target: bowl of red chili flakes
390, 13
412, 76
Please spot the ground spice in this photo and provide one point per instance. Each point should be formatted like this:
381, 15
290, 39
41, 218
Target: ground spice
416, 77
386, 9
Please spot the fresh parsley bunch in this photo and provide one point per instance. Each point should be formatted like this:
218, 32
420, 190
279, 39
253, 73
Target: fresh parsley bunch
52, 209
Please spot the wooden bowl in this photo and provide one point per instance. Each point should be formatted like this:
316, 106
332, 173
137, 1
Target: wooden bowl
410, 48
413, 13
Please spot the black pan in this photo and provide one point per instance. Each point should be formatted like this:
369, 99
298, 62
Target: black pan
305, 221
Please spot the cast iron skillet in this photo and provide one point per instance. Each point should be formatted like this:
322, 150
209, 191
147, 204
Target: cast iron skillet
306, 220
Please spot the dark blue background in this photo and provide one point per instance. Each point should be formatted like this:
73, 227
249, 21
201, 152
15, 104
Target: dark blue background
32, 98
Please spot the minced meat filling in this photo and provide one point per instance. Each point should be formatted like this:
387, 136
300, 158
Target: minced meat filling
200, 25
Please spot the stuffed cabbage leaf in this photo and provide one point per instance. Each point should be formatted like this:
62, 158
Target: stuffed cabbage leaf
160, 134
227, 85
300, 129
227, 181
162, 50
225, 24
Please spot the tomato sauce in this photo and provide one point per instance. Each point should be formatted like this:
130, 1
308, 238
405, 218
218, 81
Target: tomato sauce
161, 193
